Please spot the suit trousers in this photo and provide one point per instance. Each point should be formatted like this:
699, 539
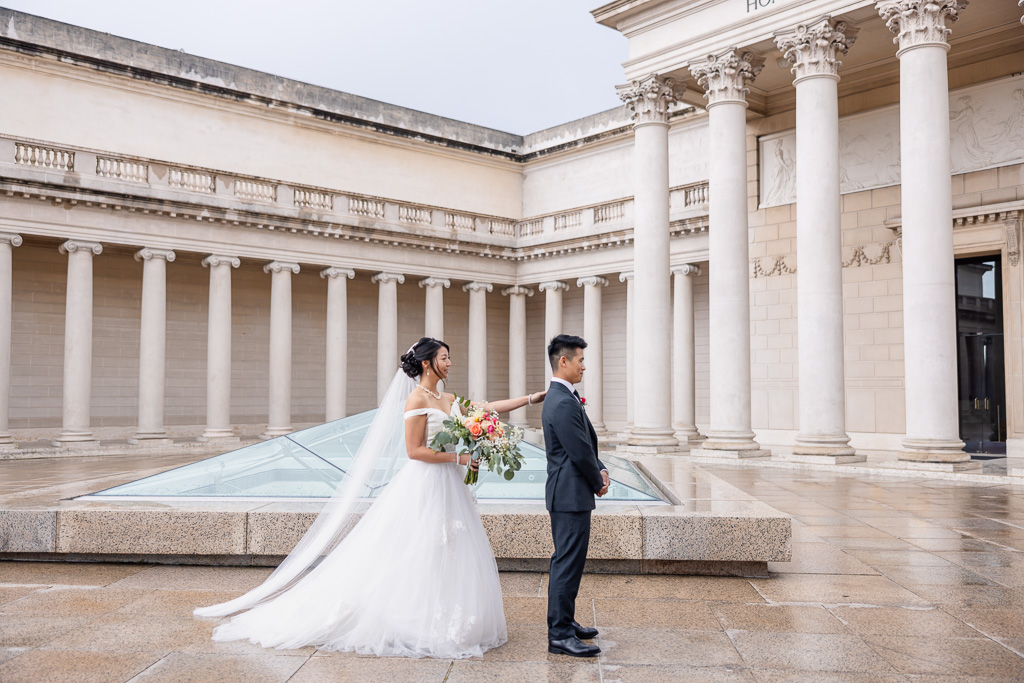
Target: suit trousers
570, 532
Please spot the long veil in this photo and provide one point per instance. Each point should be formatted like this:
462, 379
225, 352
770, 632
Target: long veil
376, 458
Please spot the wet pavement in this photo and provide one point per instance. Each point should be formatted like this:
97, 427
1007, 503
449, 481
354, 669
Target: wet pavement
892, 579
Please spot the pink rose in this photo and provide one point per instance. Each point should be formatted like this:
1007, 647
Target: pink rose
475, 430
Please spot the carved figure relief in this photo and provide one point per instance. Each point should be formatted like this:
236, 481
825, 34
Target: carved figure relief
986, 128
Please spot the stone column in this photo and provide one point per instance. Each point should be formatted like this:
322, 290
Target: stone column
7, 242
724, 77
517, 348
477, 352
279, 420
593, 332
78, 344
813, 49
552, 318
218, 350
627, 277
649, 98
387, 329
929, 285
152, 347
684, 382
433, 320
336, 364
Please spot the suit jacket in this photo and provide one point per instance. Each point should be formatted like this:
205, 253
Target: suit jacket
574, 470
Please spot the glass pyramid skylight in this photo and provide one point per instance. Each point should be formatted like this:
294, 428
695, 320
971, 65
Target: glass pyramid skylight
309, 464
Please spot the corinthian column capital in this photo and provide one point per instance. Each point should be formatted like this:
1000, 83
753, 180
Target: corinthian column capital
517, 290
648, 98
280, 267
149, 253
71, 246
724, 76
812, 47
919, 22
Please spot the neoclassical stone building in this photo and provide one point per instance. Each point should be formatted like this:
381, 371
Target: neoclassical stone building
800, 235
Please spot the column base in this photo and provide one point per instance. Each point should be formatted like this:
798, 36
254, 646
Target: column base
730, 454
75, 439
933, 450
150, 439
822, 458
928, 466
730, 441
274, 432
219, 436
630, 449
640, 436
688, 436
7, 442
838, 445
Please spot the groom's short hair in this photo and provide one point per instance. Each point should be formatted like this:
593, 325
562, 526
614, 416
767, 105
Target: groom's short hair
564, 345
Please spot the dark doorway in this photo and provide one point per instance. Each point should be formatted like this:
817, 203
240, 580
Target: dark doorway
979, 332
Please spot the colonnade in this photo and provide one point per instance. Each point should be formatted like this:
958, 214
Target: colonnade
813, 50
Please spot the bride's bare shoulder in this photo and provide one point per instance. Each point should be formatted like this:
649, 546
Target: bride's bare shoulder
416, 400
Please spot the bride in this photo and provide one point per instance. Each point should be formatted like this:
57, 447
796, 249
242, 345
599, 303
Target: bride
415, 577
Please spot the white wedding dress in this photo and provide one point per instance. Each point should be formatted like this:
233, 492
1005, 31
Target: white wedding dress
416, 577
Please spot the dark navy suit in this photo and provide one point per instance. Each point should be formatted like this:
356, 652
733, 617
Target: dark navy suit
574, 477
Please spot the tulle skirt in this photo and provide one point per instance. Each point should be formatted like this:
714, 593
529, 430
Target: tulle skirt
416, 577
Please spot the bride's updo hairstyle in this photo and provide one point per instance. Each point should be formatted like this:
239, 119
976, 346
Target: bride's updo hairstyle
425, 349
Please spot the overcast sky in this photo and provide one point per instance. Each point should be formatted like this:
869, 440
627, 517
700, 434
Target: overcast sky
515, 65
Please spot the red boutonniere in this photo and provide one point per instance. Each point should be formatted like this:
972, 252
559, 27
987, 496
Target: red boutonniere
583, 402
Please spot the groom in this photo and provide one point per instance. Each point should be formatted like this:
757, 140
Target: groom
575, 476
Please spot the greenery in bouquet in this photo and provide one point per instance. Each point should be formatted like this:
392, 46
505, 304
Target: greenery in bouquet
480, 433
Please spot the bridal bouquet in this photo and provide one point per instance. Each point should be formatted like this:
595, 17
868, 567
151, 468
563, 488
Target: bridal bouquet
485, 438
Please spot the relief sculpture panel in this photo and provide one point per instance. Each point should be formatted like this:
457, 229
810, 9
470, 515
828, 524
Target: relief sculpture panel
986, 129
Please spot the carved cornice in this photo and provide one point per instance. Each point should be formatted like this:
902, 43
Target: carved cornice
919, 22
592, 281
687, 269
10, 238
725, 76
478, 287
221, 260
335, 271
553, 286
517, 290
149, 253
384, 278
649, 98
812, 48
281, 267
71, 246
435, 282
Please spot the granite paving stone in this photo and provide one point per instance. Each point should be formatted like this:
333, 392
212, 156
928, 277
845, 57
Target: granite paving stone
164, 577
944, 656
656, 614
664, 673
74, 666
355, 669
835, 590
809, 652
72, 601
659, 646
903, 621
181, 667
470, 671
32, 630
821, 558
777, 618
61, 573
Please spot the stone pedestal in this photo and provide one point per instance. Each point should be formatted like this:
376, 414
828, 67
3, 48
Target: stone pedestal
218, 350
724, 77
650, 98
336, 362
152, 348
76, 431
517, 348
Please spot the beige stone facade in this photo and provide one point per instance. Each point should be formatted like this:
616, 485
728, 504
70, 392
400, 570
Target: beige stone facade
131, 146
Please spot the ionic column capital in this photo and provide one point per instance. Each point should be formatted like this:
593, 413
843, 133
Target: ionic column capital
554, 286
435, 282
686, 269
334, 271
10, 238
148, 253
71, 246
812, 48
478, 287
649, 98
221, 260
917, 23
626, 276
725, 76
517, 290
281, 266
384, 278
592, 281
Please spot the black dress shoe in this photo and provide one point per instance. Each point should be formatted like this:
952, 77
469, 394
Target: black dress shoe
573, 647
584, 632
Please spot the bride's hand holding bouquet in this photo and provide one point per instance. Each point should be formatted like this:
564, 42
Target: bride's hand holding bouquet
485, 438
